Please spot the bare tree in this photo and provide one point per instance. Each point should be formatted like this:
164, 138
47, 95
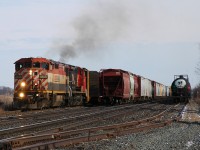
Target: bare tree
196, 90
197, 68
6, 91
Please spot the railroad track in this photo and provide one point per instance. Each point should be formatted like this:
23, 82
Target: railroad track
41, 116
16, 115
63, 136
90, 115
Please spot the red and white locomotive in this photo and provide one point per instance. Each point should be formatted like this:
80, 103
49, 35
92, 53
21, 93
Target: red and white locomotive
40, 83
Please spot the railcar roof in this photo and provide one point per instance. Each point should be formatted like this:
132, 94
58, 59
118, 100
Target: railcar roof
185, 76
37, 59
41, 59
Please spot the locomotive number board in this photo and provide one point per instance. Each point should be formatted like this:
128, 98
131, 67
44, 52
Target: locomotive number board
43, 76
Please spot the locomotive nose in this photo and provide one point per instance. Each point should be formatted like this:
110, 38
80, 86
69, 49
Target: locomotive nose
180, 83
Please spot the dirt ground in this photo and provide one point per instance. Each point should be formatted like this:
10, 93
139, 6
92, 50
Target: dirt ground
191, 112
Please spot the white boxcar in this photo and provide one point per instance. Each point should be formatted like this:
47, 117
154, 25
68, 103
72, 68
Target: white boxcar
146, 87
131, 86
168, 90
158, 92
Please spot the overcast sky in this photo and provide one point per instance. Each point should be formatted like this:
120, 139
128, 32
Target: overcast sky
153, 38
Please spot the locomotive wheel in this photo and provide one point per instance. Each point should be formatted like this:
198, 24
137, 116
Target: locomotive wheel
112, 101
75, 101
107, 101
70, 101
43, 103
78, 100
84, 101
119, 101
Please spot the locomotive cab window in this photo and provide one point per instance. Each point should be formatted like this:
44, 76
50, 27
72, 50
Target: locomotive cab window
56, 66
67, 71
45, 66
27, 64
18, 66
50, 67
36, 65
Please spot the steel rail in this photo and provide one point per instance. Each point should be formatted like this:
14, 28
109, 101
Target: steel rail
61, 135
57, 121
95, 137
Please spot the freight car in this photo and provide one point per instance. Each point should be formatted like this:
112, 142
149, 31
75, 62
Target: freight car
181, 88
119, 86
116, 85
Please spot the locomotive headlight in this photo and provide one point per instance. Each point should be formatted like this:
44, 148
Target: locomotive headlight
31, 72
23, 84
21, 95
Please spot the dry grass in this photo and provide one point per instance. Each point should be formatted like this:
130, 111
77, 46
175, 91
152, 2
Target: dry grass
197, 100
5, 102
2, 111
6, 99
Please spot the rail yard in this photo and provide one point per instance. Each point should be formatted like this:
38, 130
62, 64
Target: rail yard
99, 127
61, 106
99, 75
109, 104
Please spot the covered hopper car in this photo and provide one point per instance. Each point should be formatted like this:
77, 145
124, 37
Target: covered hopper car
121, 86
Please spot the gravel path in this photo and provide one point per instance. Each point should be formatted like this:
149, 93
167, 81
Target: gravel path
184, 135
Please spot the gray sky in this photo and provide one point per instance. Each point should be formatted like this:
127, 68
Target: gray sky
153, 38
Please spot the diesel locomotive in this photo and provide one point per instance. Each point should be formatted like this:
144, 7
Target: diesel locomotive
43, 83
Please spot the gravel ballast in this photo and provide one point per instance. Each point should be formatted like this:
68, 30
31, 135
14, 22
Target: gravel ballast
183, 135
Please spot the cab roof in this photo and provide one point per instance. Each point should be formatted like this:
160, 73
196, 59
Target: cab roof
31, 59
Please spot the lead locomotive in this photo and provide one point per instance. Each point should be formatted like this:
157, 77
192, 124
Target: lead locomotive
41, 83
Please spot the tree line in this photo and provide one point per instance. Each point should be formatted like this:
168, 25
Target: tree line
6, 90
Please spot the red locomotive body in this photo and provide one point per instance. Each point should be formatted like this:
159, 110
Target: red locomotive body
40, 83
